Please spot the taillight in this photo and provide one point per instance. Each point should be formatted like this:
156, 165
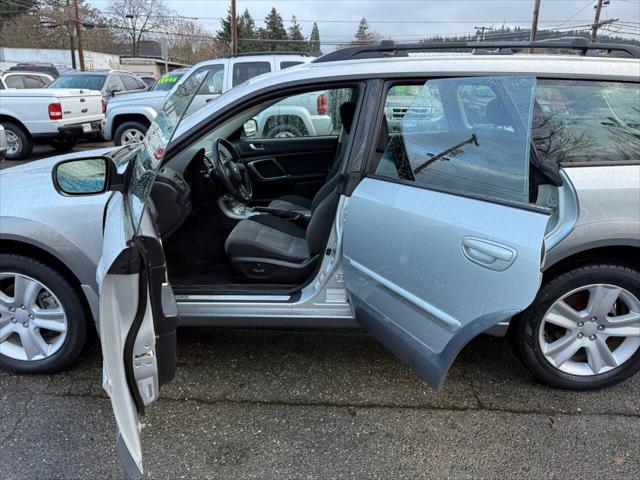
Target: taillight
55, 111
322, 104
104, 107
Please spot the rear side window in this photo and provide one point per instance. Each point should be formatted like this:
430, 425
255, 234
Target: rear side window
213, 83
284, 65
581, 122
470, 136
245, 70
131, 83
14, 81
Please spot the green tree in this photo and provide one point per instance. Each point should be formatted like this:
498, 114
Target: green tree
298, 43
273, 34
363, 35
314, 40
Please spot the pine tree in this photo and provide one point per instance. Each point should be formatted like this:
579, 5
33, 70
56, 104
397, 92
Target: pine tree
363, 35
297, 43
274, 31
314, 40
247, 30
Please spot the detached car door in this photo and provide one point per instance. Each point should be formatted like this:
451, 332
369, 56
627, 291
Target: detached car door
138, 314
440, 240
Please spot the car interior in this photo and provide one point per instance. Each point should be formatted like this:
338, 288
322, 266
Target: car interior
240, 213
244, 214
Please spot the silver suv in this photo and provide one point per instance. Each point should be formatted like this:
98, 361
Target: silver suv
508, 201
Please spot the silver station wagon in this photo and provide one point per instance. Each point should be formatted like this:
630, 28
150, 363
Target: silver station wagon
505, 199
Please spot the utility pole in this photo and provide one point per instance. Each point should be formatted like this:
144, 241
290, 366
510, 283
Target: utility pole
482, 29
79, 34
234, 29
534, 22
596, 21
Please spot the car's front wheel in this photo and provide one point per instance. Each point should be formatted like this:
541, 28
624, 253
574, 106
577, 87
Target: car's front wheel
129, 133
43, 327
583, 330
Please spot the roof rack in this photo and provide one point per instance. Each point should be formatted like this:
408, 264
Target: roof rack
388, 48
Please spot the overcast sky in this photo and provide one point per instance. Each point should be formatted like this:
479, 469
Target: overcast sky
416, 19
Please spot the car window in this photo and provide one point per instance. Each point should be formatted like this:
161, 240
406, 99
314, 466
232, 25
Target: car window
213, 83
288, 64
115, 82
243, 71
130, 83
469, 136
306, 115
14, 81
35, 81
167, 81
593, 122
86, 81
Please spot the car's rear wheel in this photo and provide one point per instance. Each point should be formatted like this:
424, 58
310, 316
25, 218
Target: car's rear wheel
19, 145
583, 330
43, 326
129, 133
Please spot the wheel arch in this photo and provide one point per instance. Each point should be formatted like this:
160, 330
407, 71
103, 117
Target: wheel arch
4, 118
128, 117
22, 247
625, 253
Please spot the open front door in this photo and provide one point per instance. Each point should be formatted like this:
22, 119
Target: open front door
138, 314
440, 242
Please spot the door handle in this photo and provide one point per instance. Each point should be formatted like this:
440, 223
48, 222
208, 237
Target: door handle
257, 147
488, 254
208, 100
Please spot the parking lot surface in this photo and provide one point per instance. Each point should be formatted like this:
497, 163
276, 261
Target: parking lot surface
315, 404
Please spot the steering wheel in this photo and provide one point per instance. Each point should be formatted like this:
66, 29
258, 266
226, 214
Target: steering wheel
230, 170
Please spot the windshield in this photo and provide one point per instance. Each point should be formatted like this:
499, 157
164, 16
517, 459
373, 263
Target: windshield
147, 158
167, 81
90, 82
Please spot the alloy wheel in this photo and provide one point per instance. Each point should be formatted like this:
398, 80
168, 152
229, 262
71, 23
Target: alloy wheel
591, 330
14, 143
131, 135
33, 323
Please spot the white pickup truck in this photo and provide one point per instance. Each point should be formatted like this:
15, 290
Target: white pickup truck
58, 117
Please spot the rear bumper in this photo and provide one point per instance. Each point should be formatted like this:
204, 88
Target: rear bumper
75, 130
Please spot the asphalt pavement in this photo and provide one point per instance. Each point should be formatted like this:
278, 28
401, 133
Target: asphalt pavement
262, 404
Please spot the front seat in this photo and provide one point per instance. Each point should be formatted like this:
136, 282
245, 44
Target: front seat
267, 248
304, 205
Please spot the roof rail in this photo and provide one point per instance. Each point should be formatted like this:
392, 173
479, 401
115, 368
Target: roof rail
248, 54
388, 48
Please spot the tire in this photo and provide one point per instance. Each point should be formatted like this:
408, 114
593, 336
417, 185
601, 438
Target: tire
289, 130
128, 127
64, 144
25, 144
69, 347
535, 330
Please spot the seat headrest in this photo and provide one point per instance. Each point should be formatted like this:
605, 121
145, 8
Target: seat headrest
347, 112
383, 137
497, 114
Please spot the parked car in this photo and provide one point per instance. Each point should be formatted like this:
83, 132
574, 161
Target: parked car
24, 80
55, 117
167, 81
127, 120
3, 143
111, 83
54, 70
426, 238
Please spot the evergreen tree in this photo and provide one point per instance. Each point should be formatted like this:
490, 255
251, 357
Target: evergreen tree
298, 43
363, 35
273, 32
246, 29
314, 40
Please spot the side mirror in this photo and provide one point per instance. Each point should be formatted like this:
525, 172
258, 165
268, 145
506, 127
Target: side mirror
114, 90
250, 128
86, 176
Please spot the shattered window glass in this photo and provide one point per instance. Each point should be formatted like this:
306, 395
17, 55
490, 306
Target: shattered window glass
465, 135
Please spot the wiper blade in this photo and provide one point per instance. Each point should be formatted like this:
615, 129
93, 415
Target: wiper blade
422, 166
